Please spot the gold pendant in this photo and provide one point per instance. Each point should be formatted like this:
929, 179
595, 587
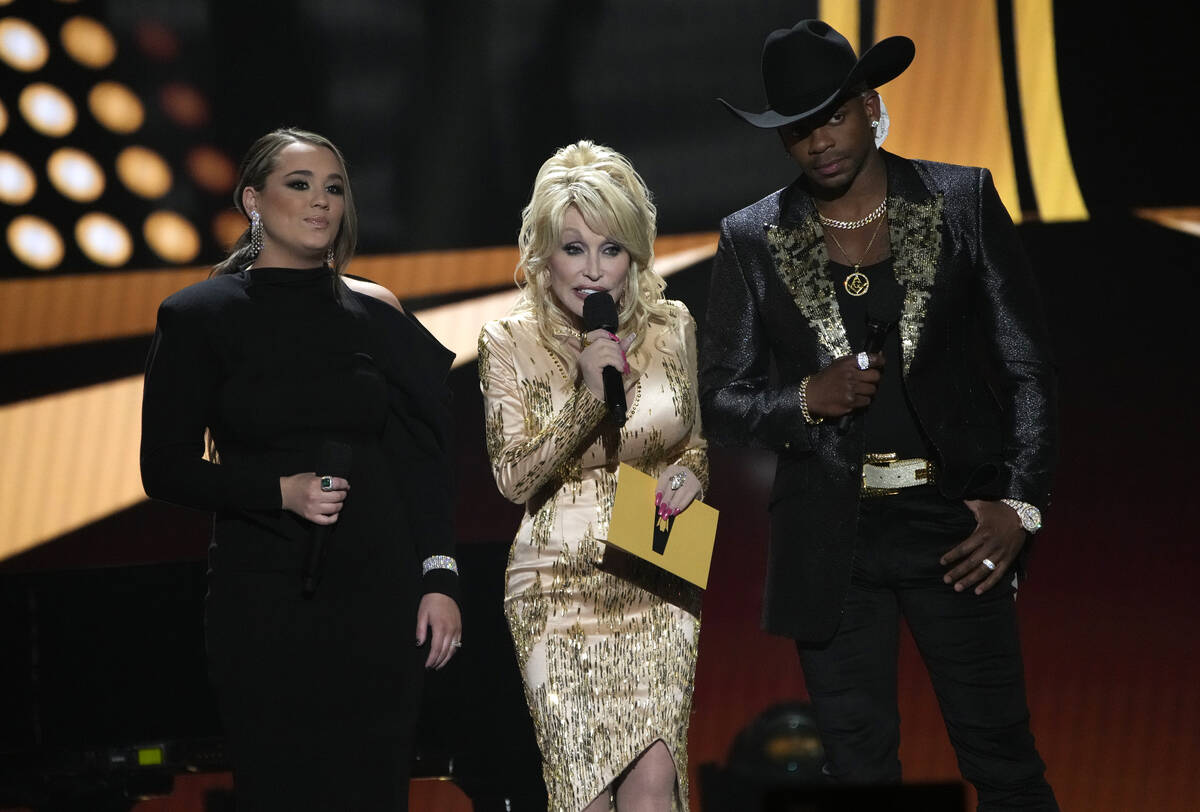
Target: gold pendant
856, 283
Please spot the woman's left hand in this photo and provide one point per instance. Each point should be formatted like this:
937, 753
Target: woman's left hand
672, 500
438, 618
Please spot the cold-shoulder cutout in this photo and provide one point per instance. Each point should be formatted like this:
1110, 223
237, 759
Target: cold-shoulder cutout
373, 290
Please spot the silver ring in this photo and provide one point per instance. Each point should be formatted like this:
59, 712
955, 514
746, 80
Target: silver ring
326, 483
987, 562
676, 481
456, 643
864, 361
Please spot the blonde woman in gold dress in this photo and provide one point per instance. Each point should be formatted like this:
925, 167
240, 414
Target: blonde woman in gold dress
606, 643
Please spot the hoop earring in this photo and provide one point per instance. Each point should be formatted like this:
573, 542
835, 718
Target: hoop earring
256, 234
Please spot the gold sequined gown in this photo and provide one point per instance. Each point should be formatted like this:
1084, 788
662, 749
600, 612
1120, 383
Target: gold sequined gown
607, 651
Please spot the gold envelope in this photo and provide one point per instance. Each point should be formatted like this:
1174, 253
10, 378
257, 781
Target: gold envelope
687, 545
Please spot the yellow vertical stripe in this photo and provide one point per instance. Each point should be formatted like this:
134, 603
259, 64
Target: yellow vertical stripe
843, 16
950, 104
1054, 183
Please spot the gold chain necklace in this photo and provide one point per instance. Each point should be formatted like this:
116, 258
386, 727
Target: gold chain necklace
850, 225
856, 282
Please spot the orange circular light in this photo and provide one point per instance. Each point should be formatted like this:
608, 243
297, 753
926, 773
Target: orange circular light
171, 236
211, 169
227, 226
116, 107
143, 172
47, 109
184, 105
17, 181
103, 239
35, 242
156, 40
75, 174
88, 42
22, 45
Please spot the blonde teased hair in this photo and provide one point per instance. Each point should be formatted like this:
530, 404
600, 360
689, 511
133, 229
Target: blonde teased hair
614, 201
260, 161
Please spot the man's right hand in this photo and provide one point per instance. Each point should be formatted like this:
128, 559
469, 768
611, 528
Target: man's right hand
842, 387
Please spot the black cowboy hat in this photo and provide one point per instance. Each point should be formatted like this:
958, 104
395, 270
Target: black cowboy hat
808, 68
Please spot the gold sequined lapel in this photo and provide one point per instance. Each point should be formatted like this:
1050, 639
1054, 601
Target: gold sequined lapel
914, 228
800, 259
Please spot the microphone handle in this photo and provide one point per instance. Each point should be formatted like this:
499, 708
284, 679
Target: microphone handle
876, 335
614, 394
334, 459
315, 548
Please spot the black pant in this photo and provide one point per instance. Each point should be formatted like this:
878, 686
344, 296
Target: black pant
969, 644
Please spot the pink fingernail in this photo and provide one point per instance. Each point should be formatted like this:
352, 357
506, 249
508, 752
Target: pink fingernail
658, 499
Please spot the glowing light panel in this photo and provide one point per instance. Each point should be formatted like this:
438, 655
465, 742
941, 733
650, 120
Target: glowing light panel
211, 169
3, 118
47, 109
103, 239
75, 174
143, 172
184, 104
22, 46
35, 242
171, 236
116, 107
88, 42
17, 181
227, 226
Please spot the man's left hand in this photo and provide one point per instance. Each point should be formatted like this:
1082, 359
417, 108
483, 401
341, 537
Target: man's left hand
998, 538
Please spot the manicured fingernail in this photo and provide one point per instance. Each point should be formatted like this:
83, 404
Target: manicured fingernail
613, 336
657, 499
626, 367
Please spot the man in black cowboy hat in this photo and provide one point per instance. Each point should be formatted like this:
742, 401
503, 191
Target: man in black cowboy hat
911, 472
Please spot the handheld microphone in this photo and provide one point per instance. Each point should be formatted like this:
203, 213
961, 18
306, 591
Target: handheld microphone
882, 314
333, 460
600, 313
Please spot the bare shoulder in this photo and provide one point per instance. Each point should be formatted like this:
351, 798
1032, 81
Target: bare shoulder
373, 290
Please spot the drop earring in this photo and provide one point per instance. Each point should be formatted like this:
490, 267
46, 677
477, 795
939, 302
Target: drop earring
256, 234
329, 257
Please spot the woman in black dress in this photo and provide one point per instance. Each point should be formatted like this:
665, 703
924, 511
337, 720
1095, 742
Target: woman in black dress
291, 369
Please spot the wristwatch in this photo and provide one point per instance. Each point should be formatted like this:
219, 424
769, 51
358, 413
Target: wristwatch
1031, 517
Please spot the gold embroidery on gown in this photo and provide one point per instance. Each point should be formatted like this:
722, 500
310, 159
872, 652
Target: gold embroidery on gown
607, 662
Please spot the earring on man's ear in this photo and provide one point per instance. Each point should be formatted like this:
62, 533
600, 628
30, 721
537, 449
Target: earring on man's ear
256, 234
881, 125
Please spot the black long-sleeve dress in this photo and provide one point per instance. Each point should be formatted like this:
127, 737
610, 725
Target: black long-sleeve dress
318, 695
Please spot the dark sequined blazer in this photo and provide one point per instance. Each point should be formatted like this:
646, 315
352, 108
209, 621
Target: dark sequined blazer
976, 367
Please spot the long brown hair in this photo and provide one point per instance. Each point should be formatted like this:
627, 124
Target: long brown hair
261, 160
